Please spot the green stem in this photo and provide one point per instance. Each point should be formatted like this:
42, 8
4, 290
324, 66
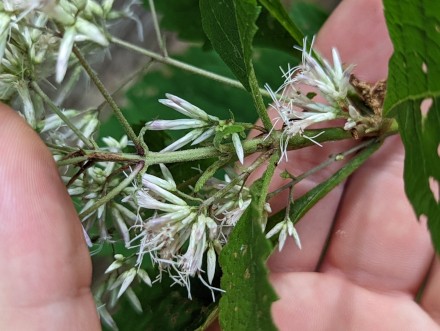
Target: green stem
101, 157
184, 66
63, 117
107, 96
258, 101
249, 146
114, 192
157, 28
266, 180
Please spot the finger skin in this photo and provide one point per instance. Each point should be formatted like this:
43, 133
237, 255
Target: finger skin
322, 302
378, 242
431, 293
46, 269
379, 254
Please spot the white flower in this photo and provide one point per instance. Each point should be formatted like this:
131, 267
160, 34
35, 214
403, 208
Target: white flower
299, 111
284, 228
355, 116
115, 146
238, 147
179, 124
332, 82
203, 125
186, 108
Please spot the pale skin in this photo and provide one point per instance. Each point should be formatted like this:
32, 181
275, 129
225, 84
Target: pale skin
379, 254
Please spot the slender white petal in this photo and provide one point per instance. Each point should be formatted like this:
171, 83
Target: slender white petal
191, 110
122, 227
185, 140
91, 31
165, 184
134, 300
28, 106
292, 232
205, 135
128, 278
164, 193
277, 228
147, 201
115, 265
64, 53
179, 124
282, 238
211, 259
238, 147
142, 274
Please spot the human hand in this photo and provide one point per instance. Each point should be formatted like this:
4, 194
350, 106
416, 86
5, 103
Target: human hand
378, 255
45, 265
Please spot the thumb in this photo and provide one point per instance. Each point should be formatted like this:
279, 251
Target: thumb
46, 269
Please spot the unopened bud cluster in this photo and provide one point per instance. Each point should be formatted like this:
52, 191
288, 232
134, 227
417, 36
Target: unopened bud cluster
36, 43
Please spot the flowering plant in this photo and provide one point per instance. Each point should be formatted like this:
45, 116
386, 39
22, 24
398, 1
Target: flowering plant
179, 210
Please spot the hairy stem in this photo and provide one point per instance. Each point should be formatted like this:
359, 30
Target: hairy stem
107, 96
157, 28
101, 157
259, 144
258, 101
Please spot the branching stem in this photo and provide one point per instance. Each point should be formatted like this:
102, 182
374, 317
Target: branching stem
114, 192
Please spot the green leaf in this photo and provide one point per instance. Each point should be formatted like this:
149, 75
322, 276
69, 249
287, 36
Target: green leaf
414, 83
248, 298
277, 10
175, 15
230, 25
272, 34
303, 204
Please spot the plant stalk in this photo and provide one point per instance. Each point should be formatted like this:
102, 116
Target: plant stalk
114, 192
107, 96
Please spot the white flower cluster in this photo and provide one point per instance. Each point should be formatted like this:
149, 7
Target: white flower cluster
298, 110
203, 126
54, 130
182, 230
285, 229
